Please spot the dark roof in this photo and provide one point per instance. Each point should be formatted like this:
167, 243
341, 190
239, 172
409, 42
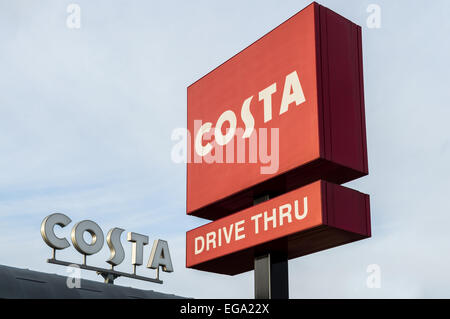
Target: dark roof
19, 283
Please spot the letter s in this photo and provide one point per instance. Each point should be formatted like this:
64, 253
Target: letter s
115, 246
247, 118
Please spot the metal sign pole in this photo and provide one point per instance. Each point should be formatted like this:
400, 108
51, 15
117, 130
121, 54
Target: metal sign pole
271, 276
271, 272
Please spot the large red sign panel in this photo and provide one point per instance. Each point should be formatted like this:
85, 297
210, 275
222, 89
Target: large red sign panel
318, 216
284, 112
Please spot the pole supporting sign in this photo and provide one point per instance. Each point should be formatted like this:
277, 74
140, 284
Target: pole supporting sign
283, 120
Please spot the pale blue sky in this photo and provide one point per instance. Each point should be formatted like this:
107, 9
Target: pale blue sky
86, 117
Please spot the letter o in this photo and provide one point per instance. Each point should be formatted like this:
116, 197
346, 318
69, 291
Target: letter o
80, 244
227, 116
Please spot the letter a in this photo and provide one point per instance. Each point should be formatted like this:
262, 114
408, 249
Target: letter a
292, 84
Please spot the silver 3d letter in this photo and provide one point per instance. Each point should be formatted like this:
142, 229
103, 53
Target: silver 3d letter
48, 233
159, 256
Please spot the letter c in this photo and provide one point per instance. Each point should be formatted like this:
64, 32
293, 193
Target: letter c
199, 148
47, 230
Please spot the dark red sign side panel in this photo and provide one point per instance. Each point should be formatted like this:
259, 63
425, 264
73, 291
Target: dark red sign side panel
335, 215
324, 138
341, 94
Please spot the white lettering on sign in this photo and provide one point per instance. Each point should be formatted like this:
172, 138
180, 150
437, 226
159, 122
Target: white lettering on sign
239, 229
292, 93
258, 223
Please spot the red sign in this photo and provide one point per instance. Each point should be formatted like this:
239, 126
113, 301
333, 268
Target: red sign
315, 217
284, 112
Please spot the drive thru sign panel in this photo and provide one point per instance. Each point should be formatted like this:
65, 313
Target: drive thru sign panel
318, 216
